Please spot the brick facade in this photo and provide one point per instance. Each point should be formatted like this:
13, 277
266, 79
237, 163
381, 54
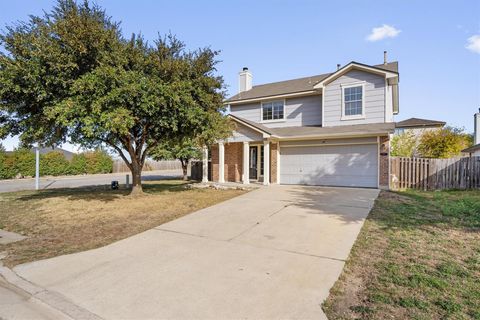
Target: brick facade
384, 162
273, 162
233, 162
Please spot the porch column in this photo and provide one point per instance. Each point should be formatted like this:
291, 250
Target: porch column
221, 162
205, 164
246, 162
266, 162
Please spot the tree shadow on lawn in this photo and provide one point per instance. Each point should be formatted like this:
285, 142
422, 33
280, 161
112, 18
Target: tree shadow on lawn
102, 193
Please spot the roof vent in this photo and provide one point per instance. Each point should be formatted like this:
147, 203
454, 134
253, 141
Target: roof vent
384, 57
338, 66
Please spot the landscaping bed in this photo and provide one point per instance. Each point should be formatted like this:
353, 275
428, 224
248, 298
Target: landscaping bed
63, 221
417, 257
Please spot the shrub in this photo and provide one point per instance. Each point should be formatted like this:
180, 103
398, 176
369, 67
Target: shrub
23, 162
54, 164
7, 170
78, 165
98, 161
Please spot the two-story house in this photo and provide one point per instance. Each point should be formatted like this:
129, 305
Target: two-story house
331, 129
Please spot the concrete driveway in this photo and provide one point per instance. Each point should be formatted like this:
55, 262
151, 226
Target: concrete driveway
272, 253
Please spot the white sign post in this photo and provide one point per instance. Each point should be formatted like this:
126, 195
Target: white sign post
37, 167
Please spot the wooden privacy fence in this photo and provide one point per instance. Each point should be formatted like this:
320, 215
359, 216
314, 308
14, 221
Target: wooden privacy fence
434, 174
150, 165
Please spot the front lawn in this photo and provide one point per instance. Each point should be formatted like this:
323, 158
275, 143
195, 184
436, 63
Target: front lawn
417, 257
62, 221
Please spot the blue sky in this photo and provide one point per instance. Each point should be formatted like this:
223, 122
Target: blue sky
280, 40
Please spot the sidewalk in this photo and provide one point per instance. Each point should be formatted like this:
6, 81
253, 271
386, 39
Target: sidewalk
18, 304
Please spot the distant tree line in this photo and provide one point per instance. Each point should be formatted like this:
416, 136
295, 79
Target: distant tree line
21, 163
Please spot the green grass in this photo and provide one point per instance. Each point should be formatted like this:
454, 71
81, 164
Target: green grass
417, 257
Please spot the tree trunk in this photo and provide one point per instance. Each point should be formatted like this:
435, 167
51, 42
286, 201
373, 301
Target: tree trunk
136, 170
184, 169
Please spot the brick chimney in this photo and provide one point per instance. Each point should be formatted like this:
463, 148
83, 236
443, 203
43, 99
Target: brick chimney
244, 80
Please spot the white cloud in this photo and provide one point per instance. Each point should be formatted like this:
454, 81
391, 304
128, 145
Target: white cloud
383, 32
474, 43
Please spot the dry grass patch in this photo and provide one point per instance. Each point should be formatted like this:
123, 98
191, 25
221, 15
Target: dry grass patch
63, 221
417, 257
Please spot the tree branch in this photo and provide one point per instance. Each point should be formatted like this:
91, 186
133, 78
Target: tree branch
147, 149
120, 152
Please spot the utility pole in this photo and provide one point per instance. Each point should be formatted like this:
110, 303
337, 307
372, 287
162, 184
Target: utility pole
37, 167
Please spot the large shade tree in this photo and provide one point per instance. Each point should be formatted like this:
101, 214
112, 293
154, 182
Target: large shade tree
70, 74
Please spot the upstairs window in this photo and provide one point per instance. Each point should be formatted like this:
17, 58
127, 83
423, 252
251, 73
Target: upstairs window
353, 101
273, 110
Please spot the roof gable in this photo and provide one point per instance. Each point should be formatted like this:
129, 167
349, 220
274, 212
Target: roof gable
355, 66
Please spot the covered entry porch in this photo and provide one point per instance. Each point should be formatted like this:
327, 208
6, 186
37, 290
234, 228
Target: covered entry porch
248, 156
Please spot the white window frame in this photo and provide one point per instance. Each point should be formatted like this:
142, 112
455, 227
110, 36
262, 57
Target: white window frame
352, 85
273, 120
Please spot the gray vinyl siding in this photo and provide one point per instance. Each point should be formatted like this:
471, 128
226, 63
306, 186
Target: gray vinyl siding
243, 133
374, 99
302, 111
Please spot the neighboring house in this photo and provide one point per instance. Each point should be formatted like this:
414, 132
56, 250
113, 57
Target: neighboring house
331, 129
418, 126
475, 149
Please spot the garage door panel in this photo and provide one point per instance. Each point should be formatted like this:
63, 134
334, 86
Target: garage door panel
349, 165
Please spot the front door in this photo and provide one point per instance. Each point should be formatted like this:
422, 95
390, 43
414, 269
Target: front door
253, 163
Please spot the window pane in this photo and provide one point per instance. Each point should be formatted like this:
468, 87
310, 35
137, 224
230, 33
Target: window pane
267, 111
353, 101
272, 110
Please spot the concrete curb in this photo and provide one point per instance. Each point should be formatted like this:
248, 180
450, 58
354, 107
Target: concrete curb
49, 298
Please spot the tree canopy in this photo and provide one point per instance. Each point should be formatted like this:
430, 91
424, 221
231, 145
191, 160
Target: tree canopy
404, 144
438, 143
443, 143
184, 150
71, 74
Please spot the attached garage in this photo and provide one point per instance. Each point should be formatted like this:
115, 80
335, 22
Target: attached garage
330, 163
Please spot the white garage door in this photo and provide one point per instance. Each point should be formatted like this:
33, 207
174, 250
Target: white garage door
347, 165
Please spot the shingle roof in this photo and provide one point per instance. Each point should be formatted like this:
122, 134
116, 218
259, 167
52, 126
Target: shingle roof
290, 132
355, 129
417, 122
294, 85
472, 148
